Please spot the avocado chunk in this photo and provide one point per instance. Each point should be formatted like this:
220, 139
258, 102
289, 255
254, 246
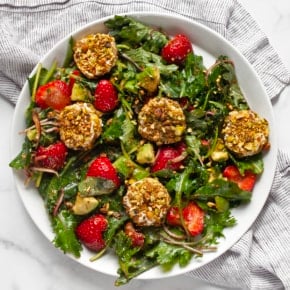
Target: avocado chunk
80, 93
220, 152
84, 205
145, 154
149, 79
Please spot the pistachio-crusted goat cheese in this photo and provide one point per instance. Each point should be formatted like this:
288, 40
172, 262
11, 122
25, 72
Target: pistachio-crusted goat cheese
80, 126
147, 202
245, 133
95, 54
162, 121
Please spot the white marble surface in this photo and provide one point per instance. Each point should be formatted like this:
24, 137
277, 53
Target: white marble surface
29, 261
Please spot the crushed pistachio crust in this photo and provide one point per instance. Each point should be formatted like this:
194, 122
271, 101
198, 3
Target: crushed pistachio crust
147, 202
245, 133
95, 54
80, 126
162, 121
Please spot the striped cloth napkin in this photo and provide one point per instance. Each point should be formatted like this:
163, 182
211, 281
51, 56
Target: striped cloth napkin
28, 29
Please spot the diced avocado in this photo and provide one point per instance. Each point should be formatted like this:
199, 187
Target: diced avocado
92, 186
220, 153
221, 203
128, 169
84, 205
31, 134
145, 154
140, 173
149, 79
124, 166
81, 93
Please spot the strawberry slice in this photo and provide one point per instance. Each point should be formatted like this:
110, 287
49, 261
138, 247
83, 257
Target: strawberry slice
177, 49
245, 182
90, 232
136, 237
167, 158
51, 157
193, 217
106, 96
185, 104
173, 217
103, 168
55, 94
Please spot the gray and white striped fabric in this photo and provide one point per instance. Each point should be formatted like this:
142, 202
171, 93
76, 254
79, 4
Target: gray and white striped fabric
28, 29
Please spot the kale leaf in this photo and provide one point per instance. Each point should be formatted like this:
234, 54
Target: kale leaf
168, 255
131, 264
128, 31
64, 225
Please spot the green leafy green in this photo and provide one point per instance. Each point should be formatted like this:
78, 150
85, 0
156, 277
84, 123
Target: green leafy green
226, 189
114, 130
215, 223
134, 33
131, 265
189, 82
69, 53
64, 228
254, 164
168, 255
23, 159
41, 77
114, 224
142, 58
222, 79
67, 181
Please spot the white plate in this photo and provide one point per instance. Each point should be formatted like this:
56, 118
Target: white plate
210, 45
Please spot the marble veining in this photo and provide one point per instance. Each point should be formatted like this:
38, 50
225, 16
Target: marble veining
27, 258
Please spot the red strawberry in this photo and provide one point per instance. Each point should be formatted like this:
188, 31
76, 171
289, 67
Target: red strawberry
55, 94
102, 167
245, 182
177, 49
166, 158
185, 104
173, 217
90, 232
52, 156
193, 217
180, 147
136, 237
106, 96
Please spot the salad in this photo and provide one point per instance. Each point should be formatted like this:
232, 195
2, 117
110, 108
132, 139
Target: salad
139, 149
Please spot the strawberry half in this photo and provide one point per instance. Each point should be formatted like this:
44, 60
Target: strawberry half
106, 96
51, 157
245, 182
167, 158
102, 167
90, 232
55, 94
177, 49
193, 217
